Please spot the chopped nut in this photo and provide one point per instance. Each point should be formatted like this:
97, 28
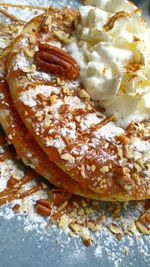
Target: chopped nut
29, 69
126, 251
114, 228
28, 52
145, 218
93, 227
122, 139
66, 90
77, 118
16, 208
93, 168
87, 239
67, 157
64, 108
84, 94
81, 212
74, 227
104, 169
43, 210
120, 152
101, 219
32, 39
64, 205
88, 107
138, 167
26, 113
63, 36
83, 203
143, 228
48, 21
136, 177
132, 228
53, 99
63, 221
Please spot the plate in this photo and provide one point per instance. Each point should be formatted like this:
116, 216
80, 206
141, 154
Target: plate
29, 248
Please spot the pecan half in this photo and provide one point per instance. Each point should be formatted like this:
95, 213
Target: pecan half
56, 61
43, 207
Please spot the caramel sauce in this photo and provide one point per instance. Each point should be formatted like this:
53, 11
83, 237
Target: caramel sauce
14, 189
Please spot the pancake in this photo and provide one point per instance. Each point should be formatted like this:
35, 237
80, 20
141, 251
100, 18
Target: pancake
31, 154
26, 147
80, 139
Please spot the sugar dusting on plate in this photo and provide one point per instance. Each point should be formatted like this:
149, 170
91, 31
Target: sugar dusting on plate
102, 225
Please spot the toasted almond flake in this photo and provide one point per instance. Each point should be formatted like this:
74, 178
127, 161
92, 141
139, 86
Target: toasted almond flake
66, 90
104, 169
63, 221
29, 52
64, 205
101, 219
120, 152
87, 239
74, 227
48, 22
81, 211
128, 153
142, 228
126, 251
63, 36
93, 227
136, 177
32, 39
132, 228
138, 167
40, 118
88, 107
83, 174
77, 118
30, 69
67, 157
114, 228
83, 203
84, 94
53, 99
38, 114
93, 168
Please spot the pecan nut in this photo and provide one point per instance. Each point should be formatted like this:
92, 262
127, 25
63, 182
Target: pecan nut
43, 207
56, 61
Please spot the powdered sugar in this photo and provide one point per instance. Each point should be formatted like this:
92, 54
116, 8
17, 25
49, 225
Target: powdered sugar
69, 130
8, 169
108, 131
89, 120
57, 143
29, 97
21, 62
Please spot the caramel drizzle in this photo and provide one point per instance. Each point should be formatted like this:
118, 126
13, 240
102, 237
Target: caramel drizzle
103, 123
12, 17
23, 6
8, 195
14, 190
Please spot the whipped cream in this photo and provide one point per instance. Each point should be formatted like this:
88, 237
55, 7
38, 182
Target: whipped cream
112, 46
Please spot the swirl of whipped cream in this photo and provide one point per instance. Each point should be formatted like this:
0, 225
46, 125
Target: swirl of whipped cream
112, 46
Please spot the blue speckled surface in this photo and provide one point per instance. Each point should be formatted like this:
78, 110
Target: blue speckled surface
29, 249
